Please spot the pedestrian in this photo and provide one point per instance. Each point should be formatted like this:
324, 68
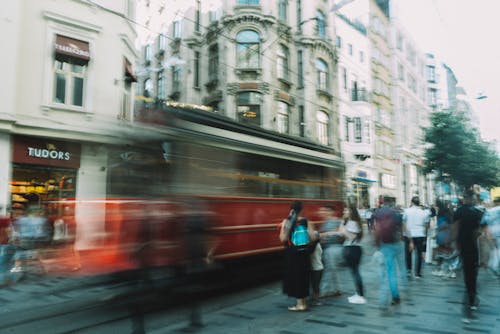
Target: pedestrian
444, 251
467, 220
388, 228
316, 272
352, 231
296, 234
332, 251
491, 220
417, 220
6, 250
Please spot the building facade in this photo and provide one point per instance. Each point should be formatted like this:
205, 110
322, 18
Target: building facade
268, 64
356, 112
75, 59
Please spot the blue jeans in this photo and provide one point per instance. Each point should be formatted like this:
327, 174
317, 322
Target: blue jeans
6, 262
388, 274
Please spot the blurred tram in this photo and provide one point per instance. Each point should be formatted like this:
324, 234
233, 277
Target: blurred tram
243, 179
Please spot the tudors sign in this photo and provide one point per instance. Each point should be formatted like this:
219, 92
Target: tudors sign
47, 152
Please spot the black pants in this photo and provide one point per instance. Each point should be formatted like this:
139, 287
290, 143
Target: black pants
470, 267
352, 257
315, 281
419, 247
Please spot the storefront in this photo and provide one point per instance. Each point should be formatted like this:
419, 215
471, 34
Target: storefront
44, 173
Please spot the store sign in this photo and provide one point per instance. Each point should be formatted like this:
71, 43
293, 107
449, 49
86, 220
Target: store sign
48, 154
36, 151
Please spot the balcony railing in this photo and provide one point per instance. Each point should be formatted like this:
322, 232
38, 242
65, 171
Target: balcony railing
360, 95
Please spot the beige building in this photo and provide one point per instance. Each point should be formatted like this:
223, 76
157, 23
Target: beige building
268, 64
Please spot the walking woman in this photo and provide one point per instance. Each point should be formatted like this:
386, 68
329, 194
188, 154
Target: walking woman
352, 231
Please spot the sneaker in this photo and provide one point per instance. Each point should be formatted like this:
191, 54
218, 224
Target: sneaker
452, 275
16, 270
467, 319
396, 301
418, 276
357, 299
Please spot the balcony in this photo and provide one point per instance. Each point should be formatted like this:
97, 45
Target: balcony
360, 95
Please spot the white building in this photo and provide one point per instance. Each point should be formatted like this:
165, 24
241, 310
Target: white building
356, 111
411, 115
67, 91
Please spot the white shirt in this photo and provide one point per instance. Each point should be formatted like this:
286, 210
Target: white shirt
416, 218
316, 263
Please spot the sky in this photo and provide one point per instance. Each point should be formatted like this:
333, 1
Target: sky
462, 33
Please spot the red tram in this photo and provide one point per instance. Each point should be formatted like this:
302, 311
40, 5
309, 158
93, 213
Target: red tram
245, 177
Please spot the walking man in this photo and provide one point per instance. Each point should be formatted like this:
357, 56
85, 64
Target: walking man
417, 221
387, 231
467, 220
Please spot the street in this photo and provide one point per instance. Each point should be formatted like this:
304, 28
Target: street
81, 305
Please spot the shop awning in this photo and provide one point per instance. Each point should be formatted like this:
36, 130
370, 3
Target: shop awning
129, 73
362, 179
67, 49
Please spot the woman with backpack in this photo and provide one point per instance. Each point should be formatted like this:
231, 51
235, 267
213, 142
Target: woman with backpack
297, 234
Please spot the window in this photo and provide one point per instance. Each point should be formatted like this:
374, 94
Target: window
248, 49
69, 81
302, 123
160, 86
282, 117
357, 130
147, 54
399, 42
282, 10
349, 48
249, 107
361, 56
196, 69
367, 131
177, 29
322, 75
299, 15
148, 88
176, 79
320, 24
401, 73
248, 2
282, 62
162, 42
197, 18
300, 70
344, 78
213, 62
339, 42
431, 74
432, 97
347, 120
322, 123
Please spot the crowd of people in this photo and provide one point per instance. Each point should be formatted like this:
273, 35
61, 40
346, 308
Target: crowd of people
467, 237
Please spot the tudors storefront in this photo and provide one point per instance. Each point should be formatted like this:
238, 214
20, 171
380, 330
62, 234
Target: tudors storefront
44, 171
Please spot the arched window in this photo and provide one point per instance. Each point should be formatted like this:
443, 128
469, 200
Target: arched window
249, 104
322, 126
282, 62
322, 75
148, 88
320, 24
248, 49
282, 117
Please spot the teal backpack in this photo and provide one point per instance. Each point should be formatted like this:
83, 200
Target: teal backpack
299, 236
